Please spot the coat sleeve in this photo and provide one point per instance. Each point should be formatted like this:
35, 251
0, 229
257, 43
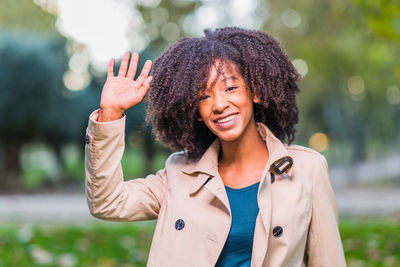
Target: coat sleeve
324, 245
109, 197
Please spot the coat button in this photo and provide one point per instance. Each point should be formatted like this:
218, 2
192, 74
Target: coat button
277, 231
272, 178
179, 224
87, 139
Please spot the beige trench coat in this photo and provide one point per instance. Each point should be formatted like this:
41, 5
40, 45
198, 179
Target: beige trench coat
191, 206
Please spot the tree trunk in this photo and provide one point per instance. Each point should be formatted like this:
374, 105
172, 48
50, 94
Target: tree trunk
10, 179
60, 162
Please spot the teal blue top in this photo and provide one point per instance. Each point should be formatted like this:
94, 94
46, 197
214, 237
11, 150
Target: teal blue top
244, 209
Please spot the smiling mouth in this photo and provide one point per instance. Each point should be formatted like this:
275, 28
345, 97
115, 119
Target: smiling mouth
226, 119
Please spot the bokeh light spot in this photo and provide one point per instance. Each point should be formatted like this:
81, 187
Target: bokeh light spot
291, 18
159, 15
209, 12
301, 66
75, 81
79, 62
170, 31
393, 95
355, 85
319, 142
243, 8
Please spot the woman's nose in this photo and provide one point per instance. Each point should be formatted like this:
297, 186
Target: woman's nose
220, 104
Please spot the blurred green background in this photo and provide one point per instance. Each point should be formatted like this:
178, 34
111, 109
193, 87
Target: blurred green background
53, 57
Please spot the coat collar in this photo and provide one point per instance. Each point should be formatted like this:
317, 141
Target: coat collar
279, 160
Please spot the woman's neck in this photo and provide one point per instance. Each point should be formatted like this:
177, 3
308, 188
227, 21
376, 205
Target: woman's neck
242, 162
248, 150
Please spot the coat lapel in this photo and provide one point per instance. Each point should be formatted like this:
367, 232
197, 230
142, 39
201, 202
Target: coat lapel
207, 164
217, 187
206, 174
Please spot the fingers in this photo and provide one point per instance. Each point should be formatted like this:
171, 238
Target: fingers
145, 86
133, 66
147, 82
145, 72
124, 65
110, 70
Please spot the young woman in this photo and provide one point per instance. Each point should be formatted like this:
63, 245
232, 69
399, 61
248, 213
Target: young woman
235, 194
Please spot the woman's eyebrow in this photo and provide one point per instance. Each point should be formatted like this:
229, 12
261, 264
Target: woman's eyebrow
233, 78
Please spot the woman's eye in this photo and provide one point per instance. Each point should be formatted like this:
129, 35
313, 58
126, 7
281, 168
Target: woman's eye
231, 88
203, 97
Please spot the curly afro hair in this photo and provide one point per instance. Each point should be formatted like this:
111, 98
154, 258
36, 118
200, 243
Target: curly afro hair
183, 70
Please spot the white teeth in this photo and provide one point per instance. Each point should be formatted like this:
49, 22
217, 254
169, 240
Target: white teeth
226, 119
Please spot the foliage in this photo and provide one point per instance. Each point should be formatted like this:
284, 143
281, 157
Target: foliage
31, 100
383, 17
34, 104
31, 74
336, 40
25, 15
367, 242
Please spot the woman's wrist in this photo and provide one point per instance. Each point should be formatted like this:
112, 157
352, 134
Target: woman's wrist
109, 115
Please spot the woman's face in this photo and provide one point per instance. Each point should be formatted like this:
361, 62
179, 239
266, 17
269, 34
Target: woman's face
226, 106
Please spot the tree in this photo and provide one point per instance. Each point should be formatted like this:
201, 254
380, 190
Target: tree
31, 69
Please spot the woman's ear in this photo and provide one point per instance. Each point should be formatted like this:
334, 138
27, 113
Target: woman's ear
256, 99
198, 117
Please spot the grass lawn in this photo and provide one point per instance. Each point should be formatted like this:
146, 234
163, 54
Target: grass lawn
96, 244
371, 242
367, 242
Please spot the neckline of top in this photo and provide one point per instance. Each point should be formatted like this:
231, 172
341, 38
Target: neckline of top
242, 189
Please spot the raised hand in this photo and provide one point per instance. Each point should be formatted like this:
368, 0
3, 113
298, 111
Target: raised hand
123, 92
